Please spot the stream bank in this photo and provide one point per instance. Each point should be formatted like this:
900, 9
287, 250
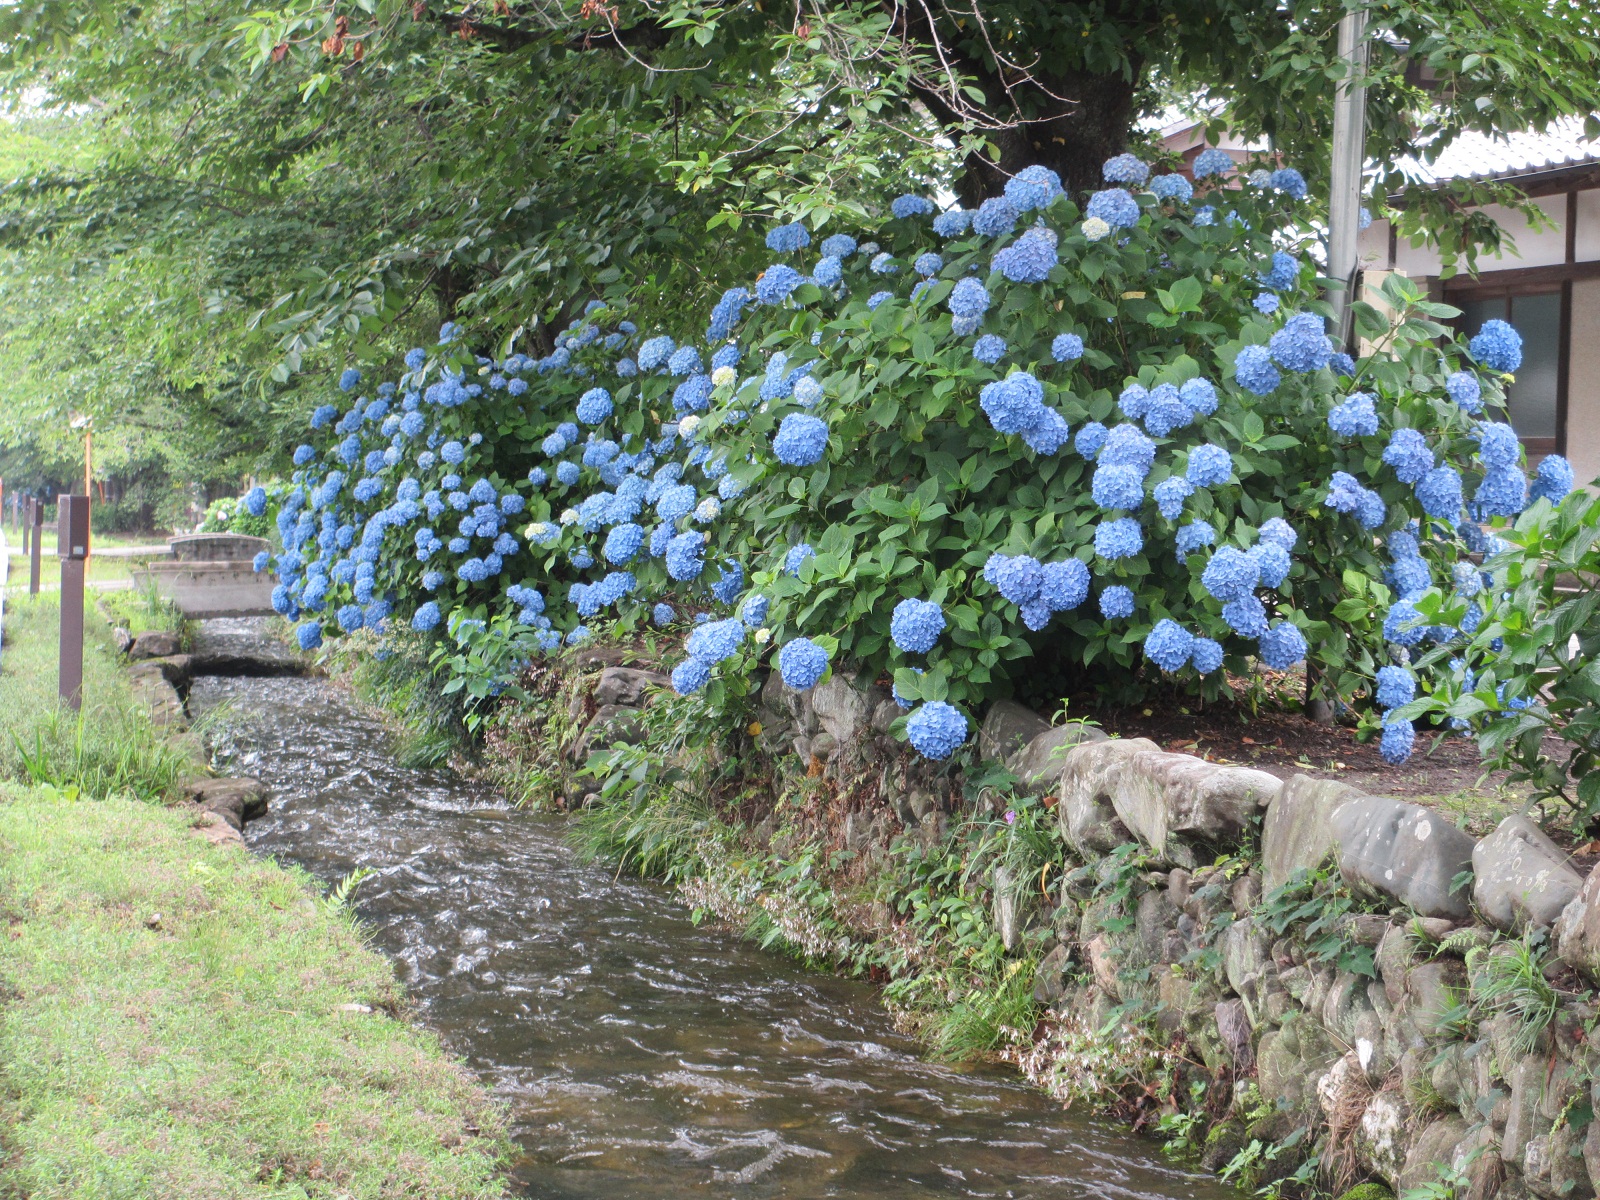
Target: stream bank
1311, 989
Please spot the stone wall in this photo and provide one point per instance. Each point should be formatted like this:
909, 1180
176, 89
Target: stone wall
1399, 1069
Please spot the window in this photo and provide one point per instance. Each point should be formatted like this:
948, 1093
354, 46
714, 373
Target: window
1537, 400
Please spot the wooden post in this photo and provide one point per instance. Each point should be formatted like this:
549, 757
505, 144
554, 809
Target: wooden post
72, 547
37, 525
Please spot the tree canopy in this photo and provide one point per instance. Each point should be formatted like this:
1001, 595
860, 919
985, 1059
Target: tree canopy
221, 209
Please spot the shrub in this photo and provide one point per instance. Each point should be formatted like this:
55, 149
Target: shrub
1147, 429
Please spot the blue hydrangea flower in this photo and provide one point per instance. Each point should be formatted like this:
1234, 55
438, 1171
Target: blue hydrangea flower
1212, 161
1166, 410
1266, 303
776, 282
1127, 446
1253, 371
1116, 602
1273, 561
928, 264
1288, 181
936, 730
1170, 494
1503, 492
1283, 272
1231, 573
1033, 187
1090, 440
1497, 346
623, 543
1134, 401
1115, 206
255, 501
683, 556
1408, 453
662, 615
953, 222
1395, 686
1498, 445
348, 379
303, 455
989, 349
995, 217
1125, 168
1169, 645
1245, 615
838, 245
308, 634
692, 395
1342, 364
1404, 625
802, 663
1067, 347
968, 298
1121, 538
801, 440
1194, 536
716, 640
1014, 404
415, 358
690, 676
1117, 487
1398, 739
828, 272
906, 206
1018, 578
1282, 646
730, 579
786, 239
1049, 435
1302, 344
685, 360
1200, 395
1208, 466
1463, 387
426, 617
915, 625
1063, 585
1439, 493
1206, 655
1172, 187
796, 556
1355, 416
1030, 257
1553, 479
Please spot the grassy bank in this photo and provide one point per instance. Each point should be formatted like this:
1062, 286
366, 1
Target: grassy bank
181, 1020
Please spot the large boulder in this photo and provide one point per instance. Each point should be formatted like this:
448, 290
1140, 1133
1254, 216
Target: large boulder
627, 686
1038, 764
1433, 1148
843, 707
234, 800
1577, 931
154, 643
1007, 728
1170, 801
1297, 833
1521, 879
1406, 853
1089, 777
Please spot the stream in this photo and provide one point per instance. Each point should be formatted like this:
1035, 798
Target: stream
640, 1056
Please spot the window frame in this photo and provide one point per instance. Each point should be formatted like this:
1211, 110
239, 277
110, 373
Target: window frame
1485, 287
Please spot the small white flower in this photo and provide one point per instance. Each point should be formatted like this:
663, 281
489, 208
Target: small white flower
1260, 179
707, 510
475, 439
568, 517
723, 376
688, 425
1095, 229
763, 636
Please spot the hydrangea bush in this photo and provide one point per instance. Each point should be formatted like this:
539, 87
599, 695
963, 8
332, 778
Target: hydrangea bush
982, 438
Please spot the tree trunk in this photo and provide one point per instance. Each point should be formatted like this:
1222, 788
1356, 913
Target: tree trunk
1080, 121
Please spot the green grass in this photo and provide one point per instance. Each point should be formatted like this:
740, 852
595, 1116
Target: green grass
211, 1056
176, 1018
109, 747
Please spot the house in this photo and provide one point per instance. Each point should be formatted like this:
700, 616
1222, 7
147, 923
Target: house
1547, 284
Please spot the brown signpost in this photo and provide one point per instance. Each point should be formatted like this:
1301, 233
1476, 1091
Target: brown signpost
72, 547
37, 525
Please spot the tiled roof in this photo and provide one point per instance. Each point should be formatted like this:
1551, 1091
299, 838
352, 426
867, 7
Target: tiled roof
1508, 155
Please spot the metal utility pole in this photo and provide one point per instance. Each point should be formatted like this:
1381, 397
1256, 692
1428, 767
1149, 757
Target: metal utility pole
1349, 153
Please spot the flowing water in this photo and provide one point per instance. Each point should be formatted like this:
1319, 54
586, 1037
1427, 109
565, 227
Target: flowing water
641, 1057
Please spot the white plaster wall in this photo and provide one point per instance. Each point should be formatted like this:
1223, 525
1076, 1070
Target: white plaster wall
1583, 382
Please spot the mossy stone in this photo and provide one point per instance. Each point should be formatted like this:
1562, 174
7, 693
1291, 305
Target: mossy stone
1368, 1191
